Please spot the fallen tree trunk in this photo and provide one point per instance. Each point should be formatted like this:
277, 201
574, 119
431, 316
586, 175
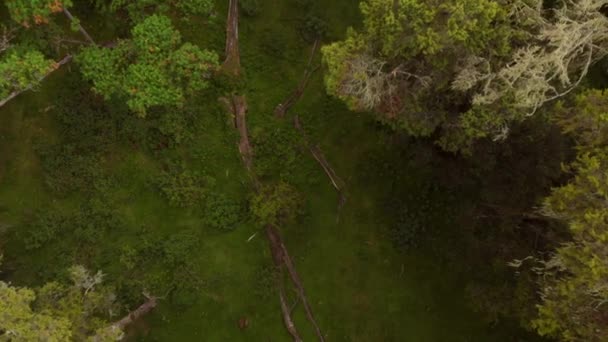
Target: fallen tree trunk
282, 108
16, 93
232, 63
278, 250
137, 313
295, 278
118, 327
318, 155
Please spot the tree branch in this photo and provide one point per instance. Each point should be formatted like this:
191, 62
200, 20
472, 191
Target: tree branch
16, 93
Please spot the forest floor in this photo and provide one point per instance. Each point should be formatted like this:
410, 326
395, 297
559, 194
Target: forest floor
360, 286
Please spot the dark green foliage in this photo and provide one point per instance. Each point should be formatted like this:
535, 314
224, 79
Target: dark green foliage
313, 28
265, 282
43, 229
276, 149
222, 212
67, 170
250, 8
179, 247
182, 188
277, 204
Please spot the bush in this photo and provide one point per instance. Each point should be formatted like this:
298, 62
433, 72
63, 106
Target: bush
313, 28
222, 212
67, 170
277, 204
182, 188
250, 8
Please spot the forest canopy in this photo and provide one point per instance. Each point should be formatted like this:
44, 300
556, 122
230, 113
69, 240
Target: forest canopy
258, 170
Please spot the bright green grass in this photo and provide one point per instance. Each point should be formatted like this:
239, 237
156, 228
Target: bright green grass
360, 287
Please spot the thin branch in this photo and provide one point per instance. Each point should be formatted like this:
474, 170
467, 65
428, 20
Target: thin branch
80, 28
16, 93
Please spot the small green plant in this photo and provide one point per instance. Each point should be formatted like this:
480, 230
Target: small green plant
277, 204
250, 8
182, 188
222, 212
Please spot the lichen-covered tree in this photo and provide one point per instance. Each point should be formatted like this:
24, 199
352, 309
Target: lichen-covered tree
468, 68
153, 68
574, 281
58, 312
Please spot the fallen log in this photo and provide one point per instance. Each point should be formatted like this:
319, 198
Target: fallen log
318, 155
118, 327
282, 108
232, 63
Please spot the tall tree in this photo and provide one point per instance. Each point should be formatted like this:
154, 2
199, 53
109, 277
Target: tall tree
153, 68
574, 280
469, 68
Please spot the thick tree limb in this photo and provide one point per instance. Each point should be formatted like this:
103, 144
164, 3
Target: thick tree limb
80, 28
284, 106
137, 313
232, 63
291, 327
16, 93
119, 326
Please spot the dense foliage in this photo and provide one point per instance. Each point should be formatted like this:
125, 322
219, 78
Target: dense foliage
152, 69
389, 226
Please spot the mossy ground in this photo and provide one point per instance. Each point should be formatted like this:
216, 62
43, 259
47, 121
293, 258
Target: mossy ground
361, 288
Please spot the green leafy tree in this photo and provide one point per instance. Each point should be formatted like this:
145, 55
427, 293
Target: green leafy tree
57, 311
276, 204
28, 12
19, 70
575, 279
39, 12
152, 69
469, 68
138, 9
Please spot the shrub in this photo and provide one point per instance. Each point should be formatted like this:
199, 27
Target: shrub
222, 212
250, 8
182, 188
277, 204
313, 28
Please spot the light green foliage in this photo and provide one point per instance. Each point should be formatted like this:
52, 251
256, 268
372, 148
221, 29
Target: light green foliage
277, 204
18, 322
575, 280
27, 12
587, 119
401, 62
138, 9
19, 70
55, 312
152, 69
